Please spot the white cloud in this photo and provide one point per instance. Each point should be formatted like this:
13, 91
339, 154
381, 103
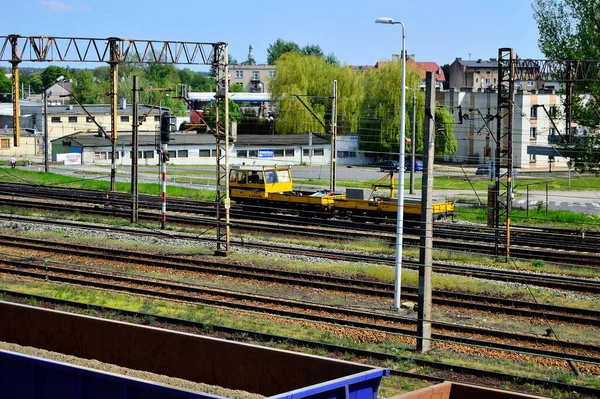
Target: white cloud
56, 6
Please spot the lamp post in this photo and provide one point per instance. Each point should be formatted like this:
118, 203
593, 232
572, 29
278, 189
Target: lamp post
400, 216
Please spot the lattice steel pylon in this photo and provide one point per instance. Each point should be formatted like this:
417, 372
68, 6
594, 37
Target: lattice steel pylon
114, 51
503, 156
222, 137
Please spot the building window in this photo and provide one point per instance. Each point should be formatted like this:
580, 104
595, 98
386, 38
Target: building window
256, 75
318, 152
204, 154
553, 111
532, 133
172, 154
346, 154
156, 118
72, 119
124, 118
533, 112
278, 153
271, 74
532, 157
239, 74
530, 84
148, 155
290, 152
142, 118
100, 155
5, 143
55, 119
488, 81
252, 153
242, 154
552, 132
182, 154
306, 152
240, 84
88, 119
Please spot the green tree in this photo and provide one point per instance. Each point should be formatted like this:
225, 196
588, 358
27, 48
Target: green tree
379, 129
86, 89
235, 114
445, 140
52, 73
310, 78
570, 29
5, 88
35, 80
280, 47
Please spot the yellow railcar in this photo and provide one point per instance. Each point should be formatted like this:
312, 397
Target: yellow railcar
273, 186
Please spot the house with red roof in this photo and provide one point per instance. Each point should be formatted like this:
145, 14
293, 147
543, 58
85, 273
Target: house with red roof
420, 68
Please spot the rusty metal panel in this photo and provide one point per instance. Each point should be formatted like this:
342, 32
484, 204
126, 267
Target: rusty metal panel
191, 357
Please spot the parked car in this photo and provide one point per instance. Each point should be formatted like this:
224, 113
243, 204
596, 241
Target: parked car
386, 166
418, 165
485, 170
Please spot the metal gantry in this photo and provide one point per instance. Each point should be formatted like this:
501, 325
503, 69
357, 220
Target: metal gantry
510, 71
115, 51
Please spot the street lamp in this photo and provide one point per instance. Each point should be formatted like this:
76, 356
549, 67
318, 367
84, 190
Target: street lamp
400, 217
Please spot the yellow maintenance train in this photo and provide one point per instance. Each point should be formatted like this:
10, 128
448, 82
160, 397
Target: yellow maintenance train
272, 187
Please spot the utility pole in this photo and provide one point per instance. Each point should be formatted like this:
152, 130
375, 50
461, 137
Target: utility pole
333, 134
114, 68
413, 144
134, 151
426, 240
45, 94
166, 126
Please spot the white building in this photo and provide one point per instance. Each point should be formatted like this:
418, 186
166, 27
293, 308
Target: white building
532, 125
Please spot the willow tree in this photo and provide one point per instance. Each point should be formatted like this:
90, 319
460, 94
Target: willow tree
310, 78
379, 128
445, 140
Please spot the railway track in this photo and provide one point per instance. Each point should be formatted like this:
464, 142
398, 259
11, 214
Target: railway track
437, 371
570, 253
562, 282
309, 280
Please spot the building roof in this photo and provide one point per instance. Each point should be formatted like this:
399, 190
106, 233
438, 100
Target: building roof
94, 109
480, 63
421, 68
235, 96
90, 138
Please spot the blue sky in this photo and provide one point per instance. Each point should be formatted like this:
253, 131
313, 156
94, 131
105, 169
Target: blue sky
436, 30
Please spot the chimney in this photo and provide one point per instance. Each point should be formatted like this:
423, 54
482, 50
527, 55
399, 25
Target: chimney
123, 103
